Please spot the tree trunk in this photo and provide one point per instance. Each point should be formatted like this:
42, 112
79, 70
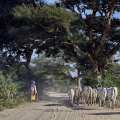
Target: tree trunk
99, 76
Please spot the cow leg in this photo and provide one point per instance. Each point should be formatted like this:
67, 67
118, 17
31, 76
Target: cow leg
100, 102
91, 101
85, 100
73, 100
88, 101
110, 103
78, 100
113, 103
103, 103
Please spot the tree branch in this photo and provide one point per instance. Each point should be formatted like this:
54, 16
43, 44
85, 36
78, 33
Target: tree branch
108, 25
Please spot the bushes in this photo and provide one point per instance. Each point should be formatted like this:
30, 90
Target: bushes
7, 87
8, 91
91, 82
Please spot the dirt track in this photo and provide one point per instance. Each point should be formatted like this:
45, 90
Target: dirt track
49, 110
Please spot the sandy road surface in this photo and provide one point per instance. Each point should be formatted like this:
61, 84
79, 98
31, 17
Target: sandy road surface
49, 110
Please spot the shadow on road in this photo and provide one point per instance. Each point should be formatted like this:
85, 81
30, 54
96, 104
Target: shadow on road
82, 108
55, 104
106, 113
52, 110
75, 106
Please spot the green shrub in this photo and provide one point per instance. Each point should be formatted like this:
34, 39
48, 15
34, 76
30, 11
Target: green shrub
8, 92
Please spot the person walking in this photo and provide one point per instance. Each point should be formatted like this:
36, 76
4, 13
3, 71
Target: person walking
34, 93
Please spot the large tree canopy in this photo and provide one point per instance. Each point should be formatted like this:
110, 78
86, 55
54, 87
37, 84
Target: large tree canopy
85, 32
34, 28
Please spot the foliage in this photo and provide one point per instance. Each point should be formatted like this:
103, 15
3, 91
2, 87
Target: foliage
47, 13
40, 28
112, 76
7, 87
9, 94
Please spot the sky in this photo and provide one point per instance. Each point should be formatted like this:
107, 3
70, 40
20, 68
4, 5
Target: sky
51, 1
117, 15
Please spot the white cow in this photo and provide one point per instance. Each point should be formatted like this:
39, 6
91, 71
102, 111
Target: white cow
87, 95
71, 95
94, 96
102, 94
77, 96
112, 94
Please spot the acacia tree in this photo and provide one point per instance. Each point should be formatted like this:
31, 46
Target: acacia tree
101, 30
88, 36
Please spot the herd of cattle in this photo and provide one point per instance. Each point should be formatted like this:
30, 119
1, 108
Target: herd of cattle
92, 96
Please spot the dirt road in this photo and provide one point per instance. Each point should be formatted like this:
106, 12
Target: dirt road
49, 110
